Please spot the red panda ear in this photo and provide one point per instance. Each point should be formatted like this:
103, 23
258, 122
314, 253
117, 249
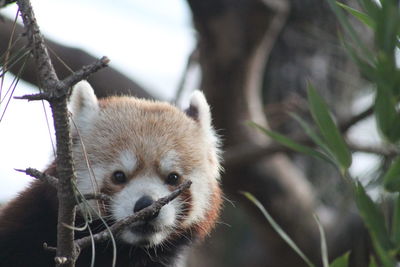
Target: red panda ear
83, 104
199, 110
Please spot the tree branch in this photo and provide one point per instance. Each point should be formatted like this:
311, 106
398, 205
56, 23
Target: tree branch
51, 180
57, 93
245, 153
86, 71
347, 124
100, 196
380, 151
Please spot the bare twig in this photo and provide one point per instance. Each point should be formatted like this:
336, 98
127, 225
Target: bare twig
102, 197
70, 81
33, 97
48, 248
377, 150
86, 71
141, 215
57, 92
347, 124
51, 180
245, 154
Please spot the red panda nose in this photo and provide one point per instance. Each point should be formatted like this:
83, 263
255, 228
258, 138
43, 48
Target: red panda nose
142, 203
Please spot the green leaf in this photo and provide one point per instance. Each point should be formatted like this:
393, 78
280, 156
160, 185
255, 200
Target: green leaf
310, 132
362, 17
370, 7
386, 115
341, 261
278, 229
290, 143
392, 177
375, 223
366, 68
396, 223
388, 21
324, 249
349, 29
328, 129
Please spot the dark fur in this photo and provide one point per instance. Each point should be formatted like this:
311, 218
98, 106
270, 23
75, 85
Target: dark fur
31, 219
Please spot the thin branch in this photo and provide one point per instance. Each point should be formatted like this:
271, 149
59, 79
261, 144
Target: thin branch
49, 248
377, 150
86, 71
347, 124
57, 92
141, 215
46, 72
51, 180
245, 154
102, 197
34, 97
68, 82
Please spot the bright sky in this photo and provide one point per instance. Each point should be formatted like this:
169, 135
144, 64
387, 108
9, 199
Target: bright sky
147, 40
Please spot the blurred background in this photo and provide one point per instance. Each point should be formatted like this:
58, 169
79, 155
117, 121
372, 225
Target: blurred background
253, 59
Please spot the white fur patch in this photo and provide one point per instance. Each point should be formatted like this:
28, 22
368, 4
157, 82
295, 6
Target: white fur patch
200, 191
124, 203
128, 161
169, 162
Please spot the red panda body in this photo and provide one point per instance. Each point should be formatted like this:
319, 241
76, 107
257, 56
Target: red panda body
135, 151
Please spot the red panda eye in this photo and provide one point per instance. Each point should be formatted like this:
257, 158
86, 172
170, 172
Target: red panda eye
119, 177
172, 178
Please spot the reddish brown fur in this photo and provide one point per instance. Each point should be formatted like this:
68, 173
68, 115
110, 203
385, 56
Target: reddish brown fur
30, 220
204, 228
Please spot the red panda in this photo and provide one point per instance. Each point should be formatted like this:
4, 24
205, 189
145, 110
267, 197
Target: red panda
135, 151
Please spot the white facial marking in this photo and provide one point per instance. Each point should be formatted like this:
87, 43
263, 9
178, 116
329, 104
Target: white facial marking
91, 179
200, 193
128, 161
124, 203
169, 162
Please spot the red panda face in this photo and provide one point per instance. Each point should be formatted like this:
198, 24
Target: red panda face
143, 190
138, 151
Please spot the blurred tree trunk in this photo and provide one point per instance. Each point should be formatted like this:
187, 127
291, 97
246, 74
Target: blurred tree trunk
236, 40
